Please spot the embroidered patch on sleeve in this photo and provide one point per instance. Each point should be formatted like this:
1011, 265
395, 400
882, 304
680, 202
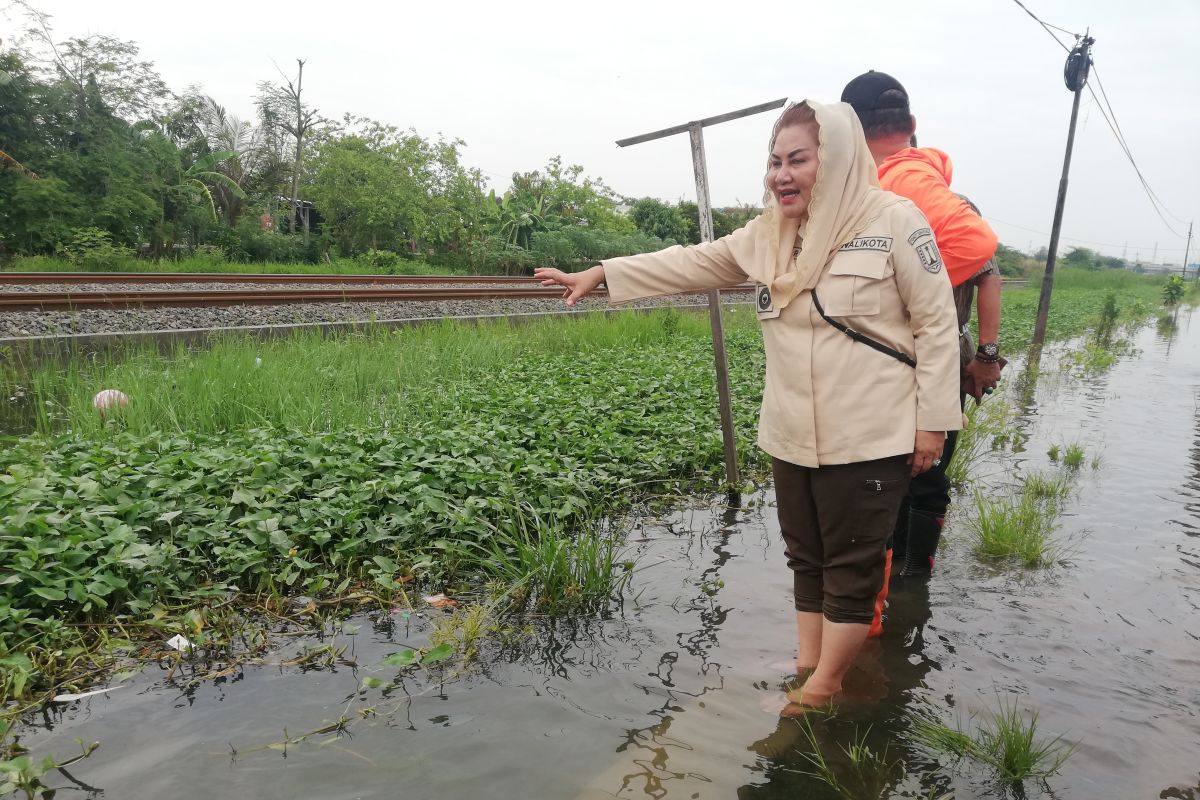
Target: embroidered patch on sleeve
927, 250
882, 244
918, 233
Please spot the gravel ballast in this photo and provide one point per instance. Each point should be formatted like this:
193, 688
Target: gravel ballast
21, 324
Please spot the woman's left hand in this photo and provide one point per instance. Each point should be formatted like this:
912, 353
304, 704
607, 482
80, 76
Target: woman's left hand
927, 451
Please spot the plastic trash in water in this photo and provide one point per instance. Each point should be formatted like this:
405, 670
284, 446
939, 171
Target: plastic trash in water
179, 643
71, 697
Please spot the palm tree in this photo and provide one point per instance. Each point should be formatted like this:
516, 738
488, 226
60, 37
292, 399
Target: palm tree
199, 175
227, 133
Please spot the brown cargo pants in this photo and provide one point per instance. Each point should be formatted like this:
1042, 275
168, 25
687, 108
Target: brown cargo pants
835, 522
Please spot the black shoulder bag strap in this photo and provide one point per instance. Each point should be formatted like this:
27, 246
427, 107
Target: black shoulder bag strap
903, 358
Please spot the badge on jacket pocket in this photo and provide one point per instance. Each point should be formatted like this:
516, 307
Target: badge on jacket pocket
764, 303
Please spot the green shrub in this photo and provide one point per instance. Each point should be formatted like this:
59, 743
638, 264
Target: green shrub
1172, 291
379, 260
92, 250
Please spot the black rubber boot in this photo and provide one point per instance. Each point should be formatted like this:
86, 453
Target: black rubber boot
898, 542
924, 533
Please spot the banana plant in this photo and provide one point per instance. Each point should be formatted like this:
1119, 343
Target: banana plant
199, 175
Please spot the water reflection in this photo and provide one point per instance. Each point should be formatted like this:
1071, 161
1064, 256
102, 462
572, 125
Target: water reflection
652, 746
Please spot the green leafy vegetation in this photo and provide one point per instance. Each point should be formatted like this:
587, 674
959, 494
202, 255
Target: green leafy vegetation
448, 456
110, 168
1172, 292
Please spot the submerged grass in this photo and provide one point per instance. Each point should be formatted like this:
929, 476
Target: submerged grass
1004, 740
1017, 528
861, 774
1051, 488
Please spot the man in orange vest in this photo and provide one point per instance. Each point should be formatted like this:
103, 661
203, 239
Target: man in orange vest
967, 246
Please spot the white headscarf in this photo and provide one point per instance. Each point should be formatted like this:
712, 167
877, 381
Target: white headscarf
845, 199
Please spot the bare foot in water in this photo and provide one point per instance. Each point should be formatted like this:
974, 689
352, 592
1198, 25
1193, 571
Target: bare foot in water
815, 693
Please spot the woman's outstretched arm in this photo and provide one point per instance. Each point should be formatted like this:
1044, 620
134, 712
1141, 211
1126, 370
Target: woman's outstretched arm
711, 265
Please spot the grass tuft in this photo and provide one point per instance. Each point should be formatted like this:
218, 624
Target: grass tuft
1052, 488
1014, 528
1073, 456
1006, 741
863, 773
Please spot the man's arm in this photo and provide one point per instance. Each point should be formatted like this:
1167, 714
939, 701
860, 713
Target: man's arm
986, 375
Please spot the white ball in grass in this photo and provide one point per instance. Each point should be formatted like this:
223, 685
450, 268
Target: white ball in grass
109, 399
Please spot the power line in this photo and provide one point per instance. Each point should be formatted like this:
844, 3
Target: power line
1104, 94
1048, 26
1077, 239
1115, 127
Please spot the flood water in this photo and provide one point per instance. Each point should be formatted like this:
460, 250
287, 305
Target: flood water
675, 694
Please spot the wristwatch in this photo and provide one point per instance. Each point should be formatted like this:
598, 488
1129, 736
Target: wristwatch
988, 352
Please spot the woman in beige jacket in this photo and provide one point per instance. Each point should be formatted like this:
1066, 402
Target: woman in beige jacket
846, 422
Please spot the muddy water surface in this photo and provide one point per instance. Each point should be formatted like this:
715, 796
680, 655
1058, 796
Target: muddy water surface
676, 693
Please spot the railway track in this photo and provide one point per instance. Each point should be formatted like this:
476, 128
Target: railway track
353, 289
66, 301
34, 278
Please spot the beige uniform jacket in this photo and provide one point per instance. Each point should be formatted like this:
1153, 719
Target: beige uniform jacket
829, 399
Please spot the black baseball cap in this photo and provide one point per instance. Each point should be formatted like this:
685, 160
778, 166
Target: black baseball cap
863, 93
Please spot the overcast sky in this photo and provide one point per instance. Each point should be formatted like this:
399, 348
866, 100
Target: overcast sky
522, 81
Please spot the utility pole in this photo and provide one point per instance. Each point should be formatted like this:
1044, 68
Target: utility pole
1154, 257
695, 131
1186, 248
1075, 75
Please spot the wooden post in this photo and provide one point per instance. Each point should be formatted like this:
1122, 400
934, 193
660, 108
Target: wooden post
695, 131
716, 321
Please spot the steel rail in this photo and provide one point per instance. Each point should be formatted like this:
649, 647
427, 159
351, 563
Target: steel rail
57, 301
32, 278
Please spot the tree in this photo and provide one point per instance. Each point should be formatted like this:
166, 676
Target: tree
1010, 261
36, 216
101, 64
656, 218
1081, 257
199, 176
564, 196
289, 112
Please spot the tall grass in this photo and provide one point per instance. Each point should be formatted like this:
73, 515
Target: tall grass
1079, 303
988, 425
311, 381
559, 571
